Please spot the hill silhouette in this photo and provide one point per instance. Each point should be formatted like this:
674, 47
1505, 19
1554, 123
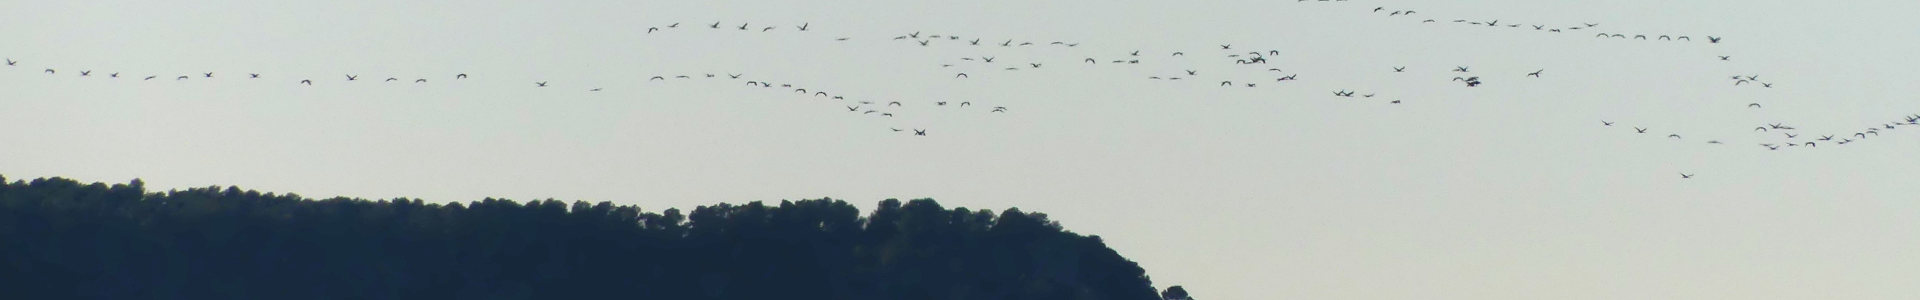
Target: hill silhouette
68, 240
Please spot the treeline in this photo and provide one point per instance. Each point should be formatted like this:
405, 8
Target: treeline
61, 239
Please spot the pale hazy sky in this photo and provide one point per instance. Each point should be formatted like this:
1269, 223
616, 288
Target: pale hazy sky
1509, 190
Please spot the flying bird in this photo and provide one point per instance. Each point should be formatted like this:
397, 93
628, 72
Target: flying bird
1640, 130
1399, 69
1460, 69
920, 132
460, 76
1536, 74
253, 75
352, 77
302, 81
540, 84
1685, 175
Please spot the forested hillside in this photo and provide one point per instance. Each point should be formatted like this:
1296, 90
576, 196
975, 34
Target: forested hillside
61, 239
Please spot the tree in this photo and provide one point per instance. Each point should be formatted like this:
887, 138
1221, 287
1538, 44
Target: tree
66, 240
1175, 293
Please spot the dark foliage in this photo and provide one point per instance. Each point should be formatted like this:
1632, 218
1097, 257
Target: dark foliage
60, 239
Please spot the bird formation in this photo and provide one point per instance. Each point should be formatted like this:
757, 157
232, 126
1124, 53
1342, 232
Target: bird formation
1230, 65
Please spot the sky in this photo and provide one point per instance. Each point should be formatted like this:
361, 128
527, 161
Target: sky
1512, 189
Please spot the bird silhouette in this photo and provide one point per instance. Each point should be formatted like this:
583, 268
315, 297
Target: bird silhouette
253, 75
1713, 39
1685, 176
540, 84
743, 26
11, 62
85, 72
1460, 69
716, 25
151, 77
1605, 123
1724, 57
352, 77
594, 90
460, 76
421, 80
1753, 105
302, 81
803, 26
1536, 74
1639, 130
1399, 69
920, 132
49, 71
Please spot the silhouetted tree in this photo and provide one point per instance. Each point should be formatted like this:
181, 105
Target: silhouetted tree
60, 239
1175, 293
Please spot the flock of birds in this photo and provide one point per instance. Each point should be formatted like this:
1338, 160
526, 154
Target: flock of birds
1254, 61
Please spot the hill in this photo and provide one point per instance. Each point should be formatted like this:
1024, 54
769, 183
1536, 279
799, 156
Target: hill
68, 240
